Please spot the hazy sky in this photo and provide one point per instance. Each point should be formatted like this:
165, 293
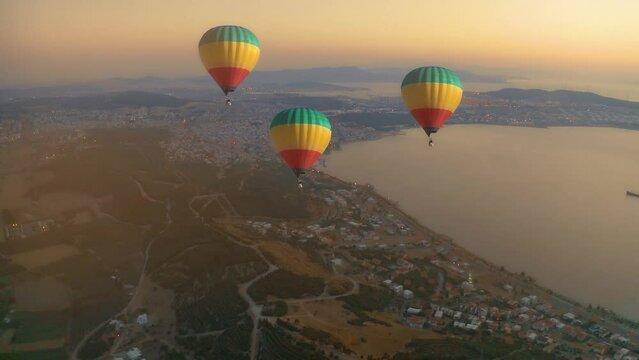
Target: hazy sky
569, 40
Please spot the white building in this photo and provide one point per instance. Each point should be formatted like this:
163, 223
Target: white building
569, 316
142, 319
134, 354
413, 311
408, 294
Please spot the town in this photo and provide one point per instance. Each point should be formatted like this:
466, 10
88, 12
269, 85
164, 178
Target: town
355, 246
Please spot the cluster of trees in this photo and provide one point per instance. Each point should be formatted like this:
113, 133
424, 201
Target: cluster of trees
284, 284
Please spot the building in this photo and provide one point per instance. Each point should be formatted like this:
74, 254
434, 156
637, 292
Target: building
570, 317
413, 310
416, 322
619, 340
408, 294
142, 319
134, 354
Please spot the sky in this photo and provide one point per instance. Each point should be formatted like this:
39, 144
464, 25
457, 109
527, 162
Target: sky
558, 42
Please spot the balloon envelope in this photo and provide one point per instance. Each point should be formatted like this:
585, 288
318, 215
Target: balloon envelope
432, 95
229, 53
300, 135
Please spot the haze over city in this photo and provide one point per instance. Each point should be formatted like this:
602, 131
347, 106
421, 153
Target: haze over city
321, 180
591, 44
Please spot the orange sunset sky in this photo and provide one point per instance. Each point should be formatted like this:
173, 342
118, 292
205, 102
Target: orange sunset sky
550, 42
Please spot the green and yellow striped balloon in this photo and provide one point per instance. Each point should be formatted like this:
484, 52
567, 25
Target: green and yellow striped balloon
432, 95
229, 53
300, 135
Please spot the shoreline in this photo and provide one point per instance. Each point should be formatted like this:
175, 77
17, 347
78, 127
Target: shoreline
602, 311
532, 282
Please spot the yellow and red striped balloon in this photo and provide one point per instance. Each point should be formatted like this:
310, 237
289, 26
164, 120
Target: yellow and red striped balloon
229, 53
300, 135
432, 95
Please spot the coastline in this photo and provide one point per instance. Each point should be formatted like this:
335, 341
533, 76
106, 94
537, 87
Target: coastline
593, 309
533, 286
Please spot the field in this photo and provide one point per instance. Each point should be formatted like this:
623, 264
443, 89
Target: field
55, 354
204, 279
283, 284
370, 339
125, 214
469, 349
232, 344
44, 256
277, 344
38, 327
293, 259
40, 293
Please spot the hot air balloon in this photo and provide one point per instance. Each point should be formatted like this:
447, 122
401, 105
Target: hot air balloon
300, 135
229, 53
431, 94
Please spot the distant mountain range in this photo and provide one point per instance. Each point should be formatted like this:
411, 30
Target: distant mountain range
95, 102
565, 97
309, 86
352, 74
314, 79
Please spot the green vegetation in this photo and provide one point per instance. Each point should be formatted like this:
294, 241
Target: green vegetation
170, 354
55, 354
471, 348
232, 344
316, 335
98, 343
6, 295
269, 191
286, 285
368, 299
324, 338
32, 327
215, 307
103, 166
204, 272
277, 344
96, 296
189, 252
417, 282
384, 257
275, 308
93, 349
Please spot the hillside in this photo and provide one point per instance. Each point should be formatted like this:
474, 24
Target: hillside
564, 97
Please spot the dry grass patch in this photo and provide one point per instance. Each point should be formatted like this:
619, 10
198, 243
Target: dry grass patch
371, 339
338, 286
293, 259
55, 204
50, 254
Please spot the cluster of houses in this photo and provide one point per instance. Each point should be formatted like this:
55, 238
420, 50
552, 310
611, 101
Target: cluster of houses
23, 231
528, 320
142, 321
260, 227
399, 289
361, 220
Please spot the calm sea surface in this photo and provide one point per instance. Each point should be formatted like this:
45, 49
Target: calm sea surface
550, 202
